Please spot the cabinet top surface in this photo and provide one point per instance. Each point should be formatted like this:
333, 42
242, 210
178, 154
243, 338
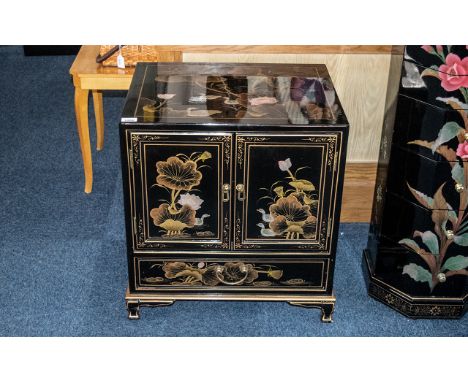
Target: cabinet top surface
232, 94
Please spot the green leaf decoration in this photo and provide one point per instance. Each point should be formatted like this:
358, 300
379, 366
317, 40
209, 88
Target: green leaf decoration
425, 200
457, 174
455, 263
455, 101
418, 273
461, 240
452, 215
429, 238
410, 244
449, 131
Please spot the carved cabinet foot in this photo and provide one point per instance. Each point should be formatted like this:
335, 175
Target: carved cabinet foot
326, 307
133, 308
327, 312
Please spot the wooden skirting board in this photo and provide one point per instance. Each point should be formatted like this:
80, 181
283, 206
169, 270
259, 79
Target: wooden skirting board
358, 192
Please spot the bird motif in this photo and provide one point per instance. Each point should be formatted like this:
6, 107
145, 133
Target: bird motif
265, 231
265, 217
199, 221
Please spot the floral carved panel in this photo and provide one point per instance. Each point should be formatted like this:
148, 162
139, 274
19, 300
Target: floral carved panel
289, 194
178, 179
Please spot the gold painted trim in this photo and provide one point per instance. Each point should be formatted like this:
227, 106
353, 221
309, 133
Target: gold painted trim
414, 309
233, 254
160, 297
245, 207
145, 208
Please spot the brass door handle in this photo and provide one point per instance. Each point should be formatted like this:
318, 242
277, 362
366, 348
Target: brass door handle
240, 192
226, 192
219, 275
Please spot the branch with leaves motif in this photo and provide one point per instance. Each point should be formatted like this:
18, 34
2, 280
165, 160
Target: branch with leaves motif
437, 244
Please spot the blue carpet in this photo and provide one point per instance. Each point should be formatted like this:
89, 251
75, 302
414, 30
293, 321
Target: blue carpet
62, 252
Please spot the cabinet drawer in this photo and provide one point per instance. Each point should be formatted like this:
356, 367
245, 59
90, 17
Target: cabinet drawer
231, 274
425, 175
419, 122
402, 219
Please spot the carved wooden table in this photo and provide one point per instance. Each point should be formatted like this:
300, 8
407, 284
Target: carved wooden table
233, 178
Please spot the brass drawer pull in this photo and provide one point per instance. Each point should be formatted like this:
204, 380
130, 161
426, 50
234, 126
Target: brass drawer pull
226, 192
219, 275
240, 192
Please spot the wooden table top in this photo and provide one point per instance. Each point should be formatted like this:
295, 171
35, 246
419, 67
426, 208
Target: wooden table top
85, 64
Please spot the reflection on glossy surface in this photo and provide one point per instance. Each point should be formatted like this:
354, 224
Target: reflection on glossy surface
240, 94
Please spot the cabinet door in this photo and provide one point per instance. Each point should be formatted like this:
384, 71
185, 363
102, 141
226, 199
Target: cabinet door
286, 191
176, 189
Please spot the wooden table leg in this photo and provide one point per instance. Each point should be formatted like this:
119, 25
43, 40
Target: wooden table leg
81, 110
99, 115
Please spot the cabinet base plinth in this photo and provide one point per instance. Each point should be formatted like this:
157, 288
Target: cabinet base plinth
135, 301
412, 307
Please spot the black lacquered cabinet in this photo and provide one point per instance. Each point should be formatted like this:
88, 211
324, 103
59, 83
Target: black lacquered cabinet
232, 179
417, 256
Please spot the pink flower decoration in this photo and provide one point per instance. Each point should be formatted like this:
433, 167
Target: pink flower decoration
454, 73
462, 150
439, 48
427, 48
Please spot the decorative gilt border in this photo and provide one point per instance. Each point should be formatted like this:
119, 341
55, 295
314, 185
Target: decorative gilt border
240, 146
332, 154
226, 139
429, 310
137, 138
